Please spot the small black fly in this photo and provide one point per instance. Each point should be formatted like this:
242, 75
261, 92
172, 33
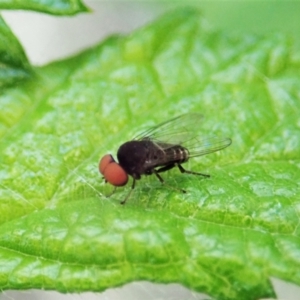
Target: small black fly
158, 149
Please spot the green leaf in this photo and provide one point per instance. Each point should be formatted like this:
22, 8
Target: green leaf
14, 65
57, 7
226, 237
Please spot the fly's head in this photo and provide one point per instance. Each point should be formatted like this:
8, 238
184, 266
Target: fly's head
112, 172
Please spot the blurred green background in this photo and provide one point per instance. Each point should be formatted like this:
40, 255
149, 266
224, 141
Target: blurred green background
47, 38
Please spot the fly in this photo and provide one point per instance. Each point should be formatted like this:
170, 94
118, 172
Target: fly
158, 149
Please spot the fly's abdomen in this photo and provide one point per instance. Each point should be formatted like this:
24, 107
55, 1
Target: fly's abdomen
177, 154
169, 155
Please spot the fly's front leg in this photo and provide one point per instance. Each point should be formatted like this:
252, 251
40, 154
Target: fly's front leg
182, 170
107, 196
132, 187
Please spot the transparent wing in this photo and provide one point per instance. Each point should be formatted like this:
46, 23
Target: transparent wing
206, 145
175, 131
184, 130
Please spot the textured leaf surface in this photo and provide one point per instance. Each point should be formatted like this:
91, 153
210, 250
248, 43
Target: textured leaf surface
14, 65
226, 237
57, 7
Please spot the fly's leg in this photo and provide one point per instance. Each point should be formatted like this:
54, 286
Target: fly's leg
107, 196
162, 180
132, 187
182, 170
165, 168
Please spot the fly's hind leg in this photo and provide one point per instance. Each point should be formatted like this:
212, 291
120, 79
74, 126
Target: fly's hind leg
182, 170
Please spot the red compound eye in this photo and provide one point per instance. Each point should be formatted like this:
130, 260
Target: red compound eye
115, 175
112, 171
104, 162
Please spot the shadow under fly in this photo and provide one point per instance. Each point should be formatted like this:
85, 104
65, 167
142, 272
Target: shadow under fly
159, 149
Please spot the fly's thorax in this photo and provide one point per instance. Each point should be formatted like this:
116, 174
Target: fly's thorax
132, 156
